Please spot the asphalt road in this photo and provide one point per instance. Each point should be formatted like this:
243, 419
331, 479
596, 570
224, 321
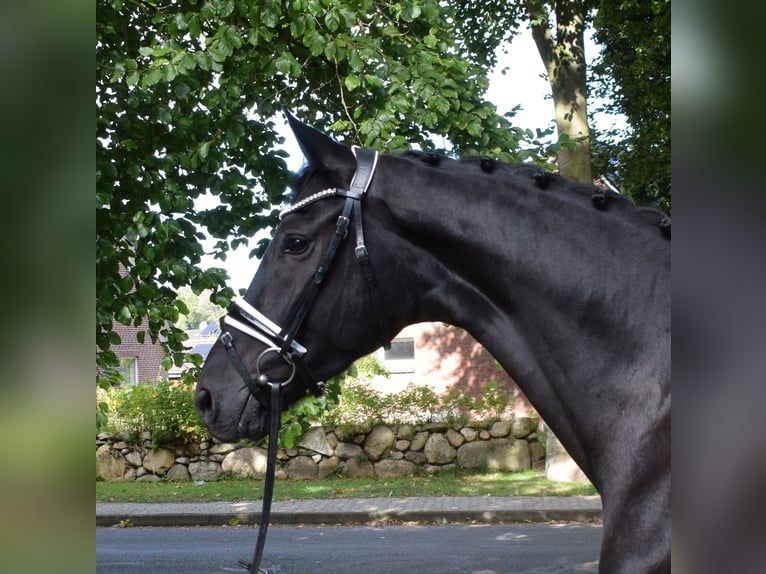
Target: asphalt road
448, 549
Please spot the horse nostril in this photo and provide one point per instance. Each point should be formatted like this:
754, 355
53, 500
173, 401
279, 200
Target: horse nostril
204, 402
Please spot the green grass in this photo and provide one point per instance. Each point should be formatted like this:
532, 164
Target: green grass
529, 483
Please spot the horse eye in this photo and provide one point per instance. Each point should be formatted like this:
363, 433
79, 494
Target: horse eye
295, 244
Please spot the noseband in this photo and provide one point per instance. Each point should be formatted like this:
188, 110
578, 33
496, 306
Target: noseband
281, 340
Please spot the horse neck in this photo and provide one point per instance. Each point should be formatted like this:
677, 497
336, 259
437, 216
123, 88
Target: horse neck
566, 297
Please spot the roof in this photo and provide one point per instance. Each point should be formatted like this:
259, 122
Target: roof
210, 328
202, 349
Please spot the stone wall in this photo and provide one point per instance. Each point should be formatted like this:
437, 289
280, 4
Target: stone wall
384, 451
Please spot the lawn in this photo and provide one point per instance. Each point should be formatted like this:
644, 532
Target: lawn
529, 483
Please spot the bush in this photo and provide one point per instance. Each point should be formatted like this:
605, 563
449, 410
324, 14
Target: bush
165, 409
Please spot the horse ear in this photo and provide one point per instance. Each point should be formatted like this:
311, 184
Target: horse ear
318, 149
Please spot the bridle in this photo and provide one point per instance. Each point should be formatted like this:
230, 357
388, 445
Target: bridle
282, 340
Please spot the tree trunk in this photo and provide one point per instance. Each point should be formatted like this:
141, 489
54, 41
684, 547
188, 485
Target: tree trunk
564, 60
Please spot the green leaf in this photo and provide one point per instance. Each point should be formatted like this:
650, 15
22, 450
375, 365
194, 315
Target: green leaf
355, 61
332, 21
203, 150
124, 315
351, 83
152, 76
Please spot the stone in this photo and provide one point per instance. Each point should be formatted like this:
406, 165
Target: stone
141, 471
158, 461
359, 439
523, 426
438, 450
469, 434
178, 473
104, 436
346, 450
183, 460
204, 470
435, 427
536, 451
148, 478
315, 440
419, 441
379, 442
110, 465
301, 467
223, 448
454, 438
559, 466
345, 433
434, 468
130, 474
394, 468
484, 435
355, 468
500, 429
405, 432
415, 457
119, 445
135, 458
402, 445
328, 467
246, 462
496, 454
332, 440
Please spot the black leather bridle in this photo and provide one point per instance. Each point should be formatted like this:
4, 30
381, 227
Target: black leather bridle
282, 340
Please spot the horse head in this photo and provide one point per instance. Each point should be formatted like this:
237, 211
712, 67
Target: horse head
313, 306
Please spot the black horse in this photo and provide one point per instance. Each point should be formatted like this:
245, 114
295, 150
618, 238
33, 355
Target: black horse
566, 285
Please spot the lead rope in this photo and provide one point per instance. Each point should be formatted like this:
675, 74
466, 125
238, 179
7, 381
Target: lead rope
268, 488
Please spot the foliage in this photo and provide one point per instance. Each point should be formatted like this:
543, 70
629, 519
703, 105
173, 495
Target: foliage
201, 308
633, 75
299, 416
186, 96
166, 409
493, 404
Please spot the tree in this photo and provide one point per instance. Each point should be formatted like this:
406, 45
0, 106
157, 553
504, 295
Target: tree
563, 55
557, 28
632, 73
633, 77
201, 309
186, 95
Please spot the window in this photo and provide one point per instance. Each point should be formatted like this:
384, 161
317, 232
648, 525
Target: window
400, 358
129, 370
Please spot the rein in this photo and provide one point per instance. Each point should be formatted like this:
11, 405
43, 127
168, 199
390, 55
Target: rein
282, 340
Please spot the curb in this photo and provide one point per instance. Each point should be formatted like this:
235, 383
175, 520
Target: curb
354, 511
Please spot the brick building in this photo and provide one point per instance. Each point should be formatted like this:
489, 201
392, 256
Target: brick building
139, 362
443, 357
